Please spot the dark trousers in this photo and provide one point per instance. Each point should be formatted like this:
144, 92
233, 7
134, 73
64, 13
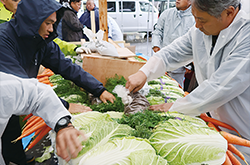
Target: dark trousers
13, 152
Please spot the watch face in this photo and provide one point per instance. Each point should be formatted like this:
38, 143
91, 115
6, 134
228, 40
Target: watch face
62, 121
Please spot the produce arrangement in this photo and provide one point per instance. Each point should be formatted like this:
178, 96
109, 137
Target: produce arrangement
145, 137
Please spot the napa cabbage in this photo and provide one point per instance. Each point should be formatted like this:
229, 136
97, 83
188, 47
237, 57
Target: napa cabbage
100, 128
124, 151
182, 143
195, 120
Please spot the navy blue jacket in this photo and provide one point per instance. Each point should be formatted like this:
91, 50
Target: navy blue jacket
85, 20
23, 50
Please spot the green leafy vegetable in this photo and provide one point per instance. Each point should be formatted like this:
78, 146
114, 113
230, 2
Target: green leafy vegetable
117, 106
124, 151
116, 80
143, 122
181, 143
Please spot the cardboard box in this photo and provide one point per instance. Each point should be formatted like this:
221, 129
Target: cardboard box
103, 68
131, 48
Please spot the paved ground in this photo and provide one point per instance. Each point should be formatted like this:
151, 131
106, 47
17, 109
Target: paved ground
143, 45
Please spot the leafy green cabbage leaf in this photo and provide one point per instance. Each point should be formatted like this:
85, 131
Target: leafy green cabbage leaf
182, 143
194, 120
124, 151
83, 119
100, 128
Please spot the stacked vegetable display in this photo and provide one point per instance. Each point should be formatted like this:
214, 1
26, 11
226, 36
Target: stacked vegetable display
145, 137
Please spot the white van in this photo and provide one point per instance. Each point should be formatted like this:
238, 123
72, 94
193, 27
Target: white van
136, 15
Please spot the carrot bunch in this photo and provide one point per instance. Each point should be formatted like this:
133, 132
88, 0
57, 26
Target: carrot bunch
34, 123
231, 139
44, 77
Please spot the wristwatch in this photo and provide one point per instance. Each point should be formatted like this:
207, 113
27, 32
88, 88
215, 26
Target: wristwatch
62, 123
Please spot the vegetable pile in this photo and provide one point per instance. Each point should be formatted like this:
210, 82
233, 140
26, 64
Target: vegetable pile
164, 90
146, 137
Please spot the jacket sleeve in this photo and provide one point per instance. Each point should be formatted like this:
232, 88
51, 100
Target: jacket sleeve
177, 54
72, 21
55, 60
23, 96
158, 33
226, 83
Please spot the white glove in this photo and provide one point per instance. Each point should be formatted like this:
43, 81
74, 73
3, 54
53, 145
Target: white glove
82, 50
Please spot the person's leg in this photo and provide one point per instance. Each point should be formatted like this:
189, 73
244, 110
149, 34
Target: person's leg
13, 152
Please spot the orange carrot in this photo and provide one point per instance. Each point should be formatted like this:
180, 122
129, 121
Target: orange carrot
211, 125
27, 117
45, 81
32, 120
217, 122
42, 75
38, 138
232, 158
235, 139
186, 93
31, 124
50, 84
29, 131
142, 58
236, 152
43, 78
227, 161
40, 122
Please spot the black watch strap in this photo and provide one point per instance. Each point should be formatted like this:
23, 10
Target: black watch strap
62, 123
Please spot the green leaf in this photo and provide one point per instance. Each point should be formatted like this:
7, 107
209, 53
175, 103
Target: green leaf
181, 143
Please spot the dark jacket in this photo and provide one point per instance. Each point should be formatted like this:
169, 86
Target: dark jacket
71, 26
23, 49
86, 21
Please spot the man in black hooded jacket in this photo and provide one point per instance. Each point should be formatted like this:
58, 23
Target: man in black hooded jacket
72, 29
24, 47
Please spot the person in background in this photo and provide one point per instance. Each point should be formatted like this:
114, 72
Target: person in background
10, 5
115, 32
24, 96
85, 18
172, 24
5, 15
219, 46
59, 26
27, 42
72, 29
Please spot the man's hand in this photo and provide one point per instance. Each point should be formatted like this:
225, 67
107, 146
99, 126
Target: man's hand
77, 108
136, 81
68, 144
161, 107
156, 49
106, 96
82, 50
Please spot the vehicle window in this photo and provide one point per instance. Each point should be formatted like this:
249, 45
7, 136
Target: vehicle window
111, 7
145, 7
127, 6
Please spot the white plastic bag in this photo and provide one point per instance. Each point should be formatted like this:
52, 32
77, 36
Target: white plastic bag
91, 36
97, 44
122, 92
